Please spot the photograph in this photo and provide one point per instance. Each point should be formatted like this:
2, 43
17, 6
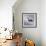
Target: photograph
29, 20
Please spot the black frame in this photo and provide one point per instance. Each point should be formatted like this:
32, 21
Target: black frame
35, 20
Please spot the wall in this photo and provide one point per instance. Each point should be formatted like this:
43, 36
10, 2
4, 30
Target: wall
6, 13
28, 6
43, 22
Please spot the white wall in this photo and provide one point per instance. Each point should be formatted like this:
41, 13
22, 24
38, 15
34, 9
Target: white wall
28, 6
37, 34
43, 22
6, 13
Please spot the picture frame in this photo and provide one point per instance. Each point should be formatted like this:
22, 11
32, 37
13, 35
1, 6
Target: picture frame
29, 20
13, 22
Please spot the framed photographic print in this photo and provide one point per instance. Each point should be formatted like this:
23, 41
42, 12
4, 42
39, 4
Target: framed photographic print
29, 20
